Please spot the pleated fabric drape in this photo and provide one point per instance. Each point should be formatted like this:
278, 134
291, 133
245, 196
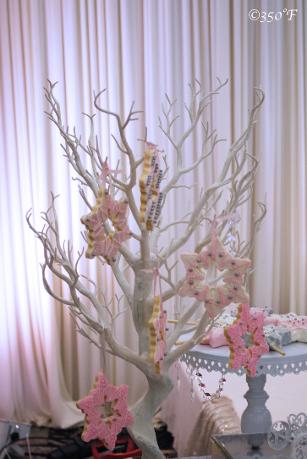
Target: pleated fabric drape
138, 50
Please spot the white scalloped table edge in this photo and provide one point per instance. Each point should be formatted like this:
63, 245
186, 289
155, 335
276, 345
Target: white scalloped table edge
274, 364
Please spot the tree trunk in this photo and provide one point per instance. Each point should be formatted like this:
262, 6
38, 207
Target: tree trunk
142, 430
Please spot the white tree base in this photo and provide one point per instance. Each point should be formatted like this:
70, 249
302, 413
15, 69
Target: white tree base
142, 430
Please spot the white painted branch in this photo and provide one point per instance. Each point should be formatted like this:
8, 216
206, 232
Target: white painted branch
193, 221
125, 353
126, 149
178, 330
179, 170
238, 144
247, 248
202, 329
72, 143
220, 183
122, 281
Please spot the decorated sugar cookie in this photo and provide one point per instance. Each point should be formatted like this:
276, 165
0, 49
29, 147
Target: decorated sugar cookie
157, 333
246, 340
157, 326
151, 197
101, 243
106, 412
215, 277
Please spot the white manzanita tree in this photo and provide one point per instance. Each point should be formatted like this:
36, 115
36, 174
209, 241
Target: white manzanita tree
107, 240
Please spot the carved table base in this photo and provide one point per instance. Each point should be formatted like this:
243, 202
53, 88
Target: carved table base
256, 417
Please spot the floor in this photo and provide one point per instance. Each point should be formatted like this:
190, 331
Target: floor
49, 443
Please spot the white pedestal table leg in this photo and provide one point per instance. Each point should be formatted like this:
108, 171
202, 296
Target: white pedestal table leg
256, 417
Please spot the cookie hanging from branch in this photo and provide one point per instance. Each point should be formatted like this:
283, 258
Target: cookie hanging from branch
104, 241
151, 197
215, 277
106, 412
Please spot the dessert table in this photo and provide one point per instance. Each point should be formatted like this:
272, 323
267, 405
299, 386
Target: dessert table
256, 418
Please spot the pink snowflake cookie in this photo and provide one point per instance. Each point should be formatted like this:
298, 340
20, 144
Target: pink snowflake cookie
246, 340
107, 209
106, 412
215, 277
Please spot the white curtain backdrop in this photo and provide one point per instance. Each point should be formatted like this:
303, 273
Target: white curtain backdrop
138, 50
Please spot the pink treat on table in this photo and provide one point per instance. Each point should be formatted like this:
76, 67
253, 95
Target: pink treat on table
215, 338
293, 321
270, 320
